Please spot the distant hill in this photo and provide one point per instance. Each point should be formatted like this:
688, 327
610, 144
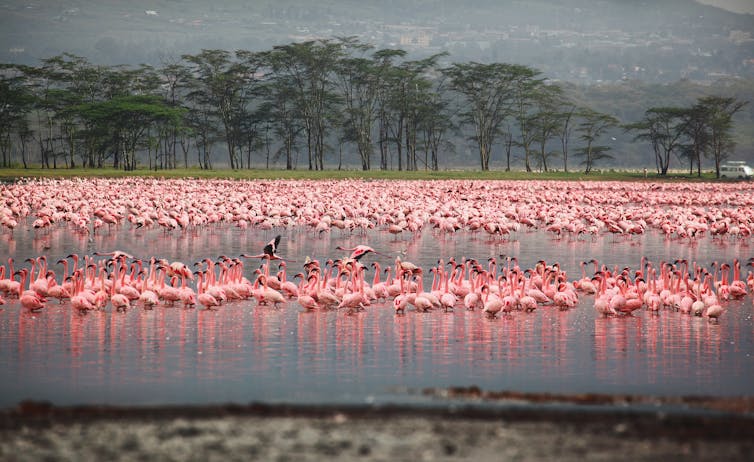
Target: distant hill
578, 40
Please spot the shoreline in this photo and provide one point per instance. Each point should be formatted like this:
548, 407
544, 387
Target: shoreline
41, 431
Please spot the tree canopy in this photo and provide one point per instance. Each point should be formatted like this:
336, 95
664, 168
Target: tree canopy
314, 101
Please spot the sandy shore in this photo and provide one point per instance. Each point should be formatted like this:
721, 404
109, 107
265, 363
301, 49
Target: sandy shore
33, 432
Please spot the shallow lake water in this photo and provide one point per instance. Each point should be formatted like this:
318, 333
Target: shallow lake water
244, 352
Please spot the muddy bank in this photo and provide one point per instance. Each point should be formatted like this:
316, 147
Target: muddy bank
34, 431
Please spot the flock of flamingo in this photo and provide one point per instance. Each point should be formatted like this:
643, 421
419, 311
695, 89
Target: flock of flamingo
568, 210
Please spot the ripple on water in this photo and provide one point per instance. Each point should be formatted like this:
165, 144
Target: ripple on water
244, 352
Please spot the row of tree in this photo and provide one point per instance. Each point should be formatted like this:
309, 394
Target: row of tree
702, 130
319, 99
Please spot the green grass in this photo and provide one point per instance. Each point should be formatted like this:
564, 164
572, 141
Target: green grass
14, 173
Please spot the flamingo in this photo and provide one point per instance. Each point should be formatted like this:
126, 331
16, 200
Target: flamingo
40, 284
714, 312
55, 290
527, 302
304, 299
602, 300
205, 299
267, 294
447, 300
269, 251
288, 287
32, 301
147, 297
359, 251
491, 306
167, 292
119, 301
355, 299
78, 300
472, 300
378, 287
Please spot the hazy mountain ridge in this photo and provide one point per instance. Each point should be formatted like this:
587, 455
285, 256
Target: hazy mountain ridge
568, 39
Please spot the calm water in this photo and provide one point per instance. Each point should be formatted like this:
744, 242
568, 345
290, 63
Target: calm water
244, 353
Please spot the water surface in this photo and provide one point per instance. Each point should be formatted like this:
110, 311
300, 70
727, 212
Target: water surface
244, 352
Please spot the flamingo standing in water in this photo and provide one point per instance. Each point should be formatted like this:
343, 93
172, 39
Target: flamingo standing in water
267, 294
355, 299
147, 297
472, 300
714, 312
40, 284
379, 287
79, 300
30, 299
304, 299
119, 301
492, 306
527, 302
205, 299
603, 298
447, 299
288, 287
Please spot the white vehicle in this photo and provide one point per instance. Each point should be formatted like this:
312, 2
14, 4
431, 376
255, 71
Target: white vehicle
736, 169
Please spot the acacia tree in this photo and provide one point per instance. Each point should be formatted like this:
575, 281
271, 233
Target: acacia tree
128, 120
281, 113
393, 110
435, 122
488, 93
387, 72
404, 88
173, 75
415, 92
217, 86
47, 84
720, 111
15, 104
526, 85
564, 130
664, 128
695, 125
546, 119
308, 66
250, 118
508, 142
593, 124
76, 81
358, 79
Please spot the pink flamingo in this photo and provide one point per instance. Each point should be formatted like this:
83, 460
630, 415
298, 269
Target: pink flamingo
268, 294
30, 299
379, 288
55, 290
269, 251
78, 300
38, 285
492, 306
119, 301
205, 299
447, 299
147, 297
714, 312
527, 302
359, 251
288, 287
304, 299
473, 299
